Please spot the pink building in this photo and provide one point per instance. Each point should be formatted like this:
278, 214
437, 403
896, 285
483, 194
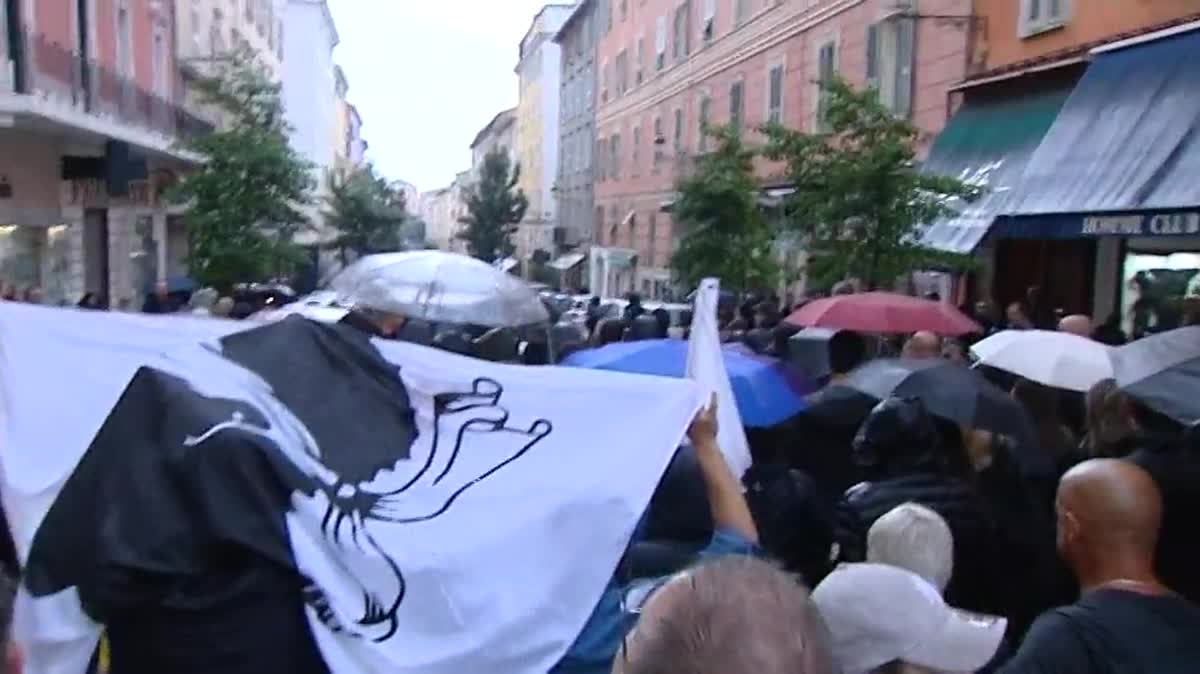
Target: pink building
89, 131
666, 67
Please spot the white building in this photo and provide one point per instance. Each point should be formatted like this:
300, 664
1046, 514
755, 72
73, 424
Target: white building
539, 71
499, 134
310, 95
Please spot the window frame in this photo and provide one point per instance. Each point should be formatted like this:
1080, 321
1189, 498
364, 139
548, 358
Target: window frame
780, 66
1032, 23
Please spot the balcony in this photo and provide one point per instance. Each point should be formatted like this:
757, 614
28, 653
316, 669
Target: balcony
52, 83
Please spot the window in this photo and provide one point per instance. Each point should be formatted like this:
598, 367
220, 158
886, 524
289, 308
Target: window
636, 167
632, 231
657, 142
1039, 16
601, 160
279, 39
889, 69
604, 82
705, 113
708, 26
197, 38
682, 45
615, 156
638, 74
249, 11
624, 9
653, 239
216, 34
622, 72
124, 41
737, 105
826, 69
775, 94
162, 72
741, 11
677, 141
660, 43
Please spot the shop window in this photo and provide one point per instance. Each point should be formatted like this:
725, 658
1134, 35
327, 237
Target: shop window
1159, 290
36, 256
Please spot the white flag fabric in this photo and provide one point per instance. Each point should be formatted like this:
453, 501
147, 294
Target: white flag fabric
456, 516
706, 366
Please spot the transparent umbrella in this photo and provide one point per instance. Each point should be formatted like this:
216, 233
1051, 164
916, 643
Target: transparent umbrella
440, 287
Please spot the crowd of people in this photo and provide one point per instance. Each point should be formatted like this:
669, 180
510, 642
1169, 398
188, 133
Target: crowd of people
873, 537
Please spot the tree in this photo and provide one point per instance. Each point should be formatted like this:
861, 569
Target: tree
725, 233
860, 199
244, 199
494, 207
367, 213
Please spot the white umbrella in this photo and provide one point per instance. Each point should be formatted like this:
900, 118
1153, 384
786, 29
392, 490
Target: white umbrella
440, 287
1057, 359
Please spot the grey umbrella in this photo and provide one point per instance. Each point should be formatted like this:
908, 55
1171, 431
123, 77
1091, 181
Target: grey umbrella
1163, 372
441, 288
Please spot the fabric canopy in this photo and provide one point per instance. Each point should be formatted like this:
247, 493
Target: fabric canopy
987, 144
565, 262
1128, 139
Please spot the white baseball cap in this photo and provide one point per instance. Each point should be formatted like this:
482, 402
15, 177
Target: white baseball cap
879, 614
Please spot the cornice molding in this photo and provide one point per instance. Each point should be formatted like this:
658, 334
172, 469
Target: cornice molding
763, 32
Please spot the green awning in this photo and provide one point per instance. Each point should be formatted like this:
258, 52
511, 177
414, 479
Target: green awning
988, 143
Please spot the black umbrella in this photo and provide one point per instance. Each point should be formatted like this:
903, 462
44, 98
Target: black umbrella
950, 391
1163, 372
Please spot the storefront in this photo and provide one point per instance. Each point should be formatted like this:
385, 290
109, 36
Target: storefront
1091, 197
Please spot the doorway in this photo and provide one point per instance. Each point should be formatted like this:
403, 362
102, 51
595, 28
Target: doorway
95, 251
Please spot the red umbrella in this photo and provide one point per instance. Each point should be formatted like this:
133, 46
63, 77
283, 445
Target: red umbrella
884, 313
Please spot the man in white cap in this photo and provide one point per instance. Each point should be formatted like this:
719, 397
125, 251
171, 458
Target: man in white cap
916, 538
886, 619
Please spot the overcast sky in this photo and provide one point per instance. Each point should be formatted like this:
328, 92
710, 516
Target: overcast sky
427, 75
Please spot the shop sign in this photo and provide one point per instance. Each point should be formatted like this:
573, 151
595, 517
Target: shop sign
1162, 224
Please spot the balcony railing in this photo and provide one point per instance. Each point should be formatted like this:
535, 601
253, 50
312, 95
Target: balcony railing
47, 69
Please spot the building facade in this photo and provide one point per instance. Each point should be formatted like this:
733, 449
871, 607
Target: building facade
578, 41
311, 99
442, 209
1074, 114
90, 120
356, 145
669, 67
538, 71
499, 134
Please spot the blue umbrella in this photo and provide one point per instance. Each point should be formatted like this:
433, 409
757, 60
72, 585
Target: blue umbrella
767, 392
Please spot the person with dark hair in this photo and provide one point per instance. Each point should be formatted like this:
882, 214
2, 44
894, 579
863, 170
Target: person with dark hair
634, 307
899, 451
1018, 316
454, 342
664, 322
1054, 437
644, 327
608, 331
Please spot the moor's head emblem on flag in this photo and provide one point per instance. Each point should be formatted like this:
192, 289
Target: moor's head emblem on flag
325, 431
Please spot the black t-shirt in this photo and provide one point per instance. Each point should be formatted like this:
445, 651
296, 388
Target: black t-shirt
1113, 632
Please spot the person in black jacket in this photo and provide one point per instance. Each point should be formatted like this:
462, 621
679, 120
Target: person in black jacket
899, 449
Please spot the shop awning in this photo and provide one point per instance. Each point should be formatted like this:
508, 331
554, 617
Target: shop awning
1126, 142
988, 144
565, 262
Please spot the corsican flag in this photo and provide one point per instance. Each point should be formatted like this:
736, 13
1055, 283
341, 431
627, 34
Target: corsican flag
706, 366
433, 513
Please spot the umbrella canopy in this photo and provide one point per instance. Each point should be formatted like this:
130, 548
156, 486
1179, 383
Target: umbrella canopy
440, 287
950, 391
1163, 372
766, 392
883, 313
1057, 359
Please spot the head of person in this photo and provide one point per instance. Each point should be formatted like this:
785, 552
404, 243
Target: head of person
1109, 420
663, 317
1017, 315
847, 350
986, 309
915, 538
34, 295
883, 618
1108, 514
898, 436
594, 302
690, 623
954, 351
921, 345
223, 307
766, 316
161, 290
1076, 324
609, 331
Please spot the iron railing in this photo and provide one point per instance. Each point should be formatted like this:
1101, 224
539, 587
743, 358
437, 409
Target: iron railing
48, 69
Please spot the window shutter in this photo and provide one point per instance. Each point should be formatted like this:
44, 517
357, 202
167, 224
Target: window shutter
735, 105
660, 42
873, 56
775, 94
905, 37
710, 9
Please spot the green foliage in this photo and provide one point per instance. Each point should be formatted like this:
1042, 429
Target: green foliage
860, 200
724, 231
367, 213
244, 199
494, 207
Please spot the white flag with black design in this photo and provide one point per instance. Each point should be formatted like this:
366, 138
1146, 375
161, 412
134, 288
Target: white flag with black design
184, 481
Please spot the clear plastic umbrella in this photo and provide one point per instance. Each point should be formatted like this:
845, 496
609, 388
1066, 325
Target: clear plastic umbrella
440, 287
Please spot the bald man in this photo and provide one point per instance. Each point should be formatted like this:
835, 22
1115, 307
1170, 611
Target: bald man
737, 615
1109, 513
1076, 324
923, 344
